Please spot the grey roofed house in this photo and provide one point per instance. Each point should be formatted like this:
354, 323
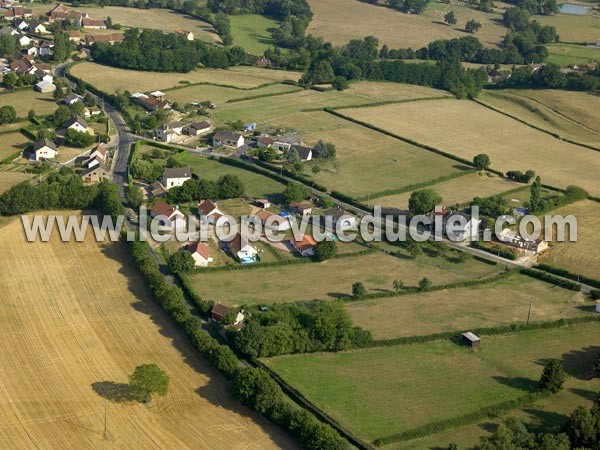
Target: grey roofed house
72, 98
226, 135
76, 119
44, 142
177, 172
305, 153
336, 212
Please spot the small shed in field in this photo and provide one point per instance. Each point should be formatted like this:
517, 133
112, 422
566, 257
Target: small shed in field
471, 340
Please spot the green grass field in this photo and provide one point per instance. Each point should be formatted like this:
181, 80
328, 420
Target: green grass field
253, 32
24, 101
366, 161
573, 28
11, 143
459, 190
564, 55
380, 392
220, 95
500, 303
330, 279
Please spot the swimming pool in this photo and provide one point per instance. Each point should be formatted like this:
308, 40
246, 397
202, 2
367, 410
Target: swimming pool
578, 10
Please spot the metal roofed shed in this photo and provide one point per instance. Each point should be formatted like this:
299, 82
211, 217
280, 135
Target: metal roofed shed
471, 339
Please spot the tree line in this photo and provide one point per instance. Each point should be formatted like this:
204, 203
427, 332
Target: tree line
152, 50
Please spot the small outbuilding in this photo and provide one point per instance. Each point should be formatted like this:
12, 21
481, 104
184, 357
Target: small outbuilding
471, 339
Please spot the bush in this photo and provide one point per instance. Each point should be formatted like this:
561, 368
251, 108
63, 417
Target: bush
325, 250
552, 279
181, 262
553, 377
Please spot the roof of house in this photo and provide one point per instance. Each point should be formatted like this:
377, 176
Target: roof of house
157, 94
182, 32
220, 309
113, 37
306, 243
206, 207
76, 119
337, 212
266, 140
163, 209
303, 152
263, 201
74, 33
226, 134
199, 247
99, 149
93, 22
101, 167
60, 7
43, 142
72, 97
169, 126
471, 336
264, 215
237, 243
200, 125
300, 206
44, 83
177, 172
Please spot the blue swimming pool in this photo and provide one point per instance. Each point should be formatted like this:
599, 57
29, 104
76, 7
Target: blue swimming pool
578, 10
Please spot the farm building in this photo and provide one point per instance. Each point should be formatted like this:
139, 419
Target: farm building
45, 86
471, 339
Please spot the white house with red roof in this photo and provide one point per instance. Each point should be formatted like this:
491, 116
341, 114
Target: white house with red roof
169, 215
209, 212
200, 252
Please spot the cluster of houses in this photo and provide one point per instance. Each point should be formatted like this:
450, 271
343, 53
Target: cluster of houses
282, 144
95, 166
25, 64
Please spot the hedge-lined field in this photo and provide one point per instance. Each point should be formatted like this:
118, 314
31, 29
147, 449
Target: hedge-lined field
26, 100
71, 340
329, 279
500, 303
377, 393
110, 79
465, 129
582, 256
368, 161
457, 190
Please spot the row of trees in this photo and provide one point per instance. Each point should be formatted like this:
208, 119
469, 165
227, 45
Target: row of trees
550, 76
299, 328
153, 50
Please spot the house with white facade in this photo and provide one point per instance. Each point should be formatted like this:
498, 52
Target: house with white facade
169, 215
44, 149
175, 176
225, 138
200, 252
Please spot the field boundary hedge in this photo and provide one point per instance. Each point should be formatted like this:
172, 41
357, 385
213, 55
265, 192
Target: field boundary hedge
535, 127
567, 274
255, 97
502, 253
552, 279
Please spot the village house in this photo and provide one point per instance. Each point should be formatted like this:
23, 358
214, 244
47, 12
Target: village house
77, 123
44, 149
46, 49
264, 141
150, 104
17, 12
168, 132
95, 174
263, 203
461, 226
90, 111
512, 239
111, 38
186, 34
175, 176
75, 36
209, 212
71, 99
305, 153
37, 28
284, 143
169, 215
20, 24
305, 246
200, 252
197, 128
227, 138
96, 157
93, 24
24, 41
340, 219
241, 249
157, 190
219, 311
301, 209
272, 221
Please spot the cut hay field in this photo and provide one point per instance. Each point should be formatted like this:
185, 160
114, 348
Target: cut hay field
219, 95
500, 303
336, 21
457, 190
156, 19
572, 28
366, 161
70, 340
11, 143
256, 185
253, 32
465, 128
363, 93
111, 79
379, 392
9, 178
24, 101
573, 115
328, 279
582, 256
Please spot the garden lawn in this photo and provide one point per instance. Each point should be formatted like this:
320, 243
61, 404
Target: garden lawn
379, 392
329, 279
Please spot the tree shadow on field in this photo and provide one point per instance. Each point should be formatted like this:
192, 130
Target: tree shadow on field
588, 395
520, 383
115, 392
545, 421
578, 363
215, 390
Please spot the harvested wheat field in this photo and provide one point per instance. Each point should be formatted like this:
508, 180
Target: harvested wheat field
8, 179
24, 101
465, 128
573, 115
76, 320
111, 79
582, 256
336, 21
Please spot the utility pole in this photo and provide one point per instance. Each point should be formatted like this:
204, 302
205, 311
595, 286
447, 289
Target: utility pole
105, 434
529, 313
